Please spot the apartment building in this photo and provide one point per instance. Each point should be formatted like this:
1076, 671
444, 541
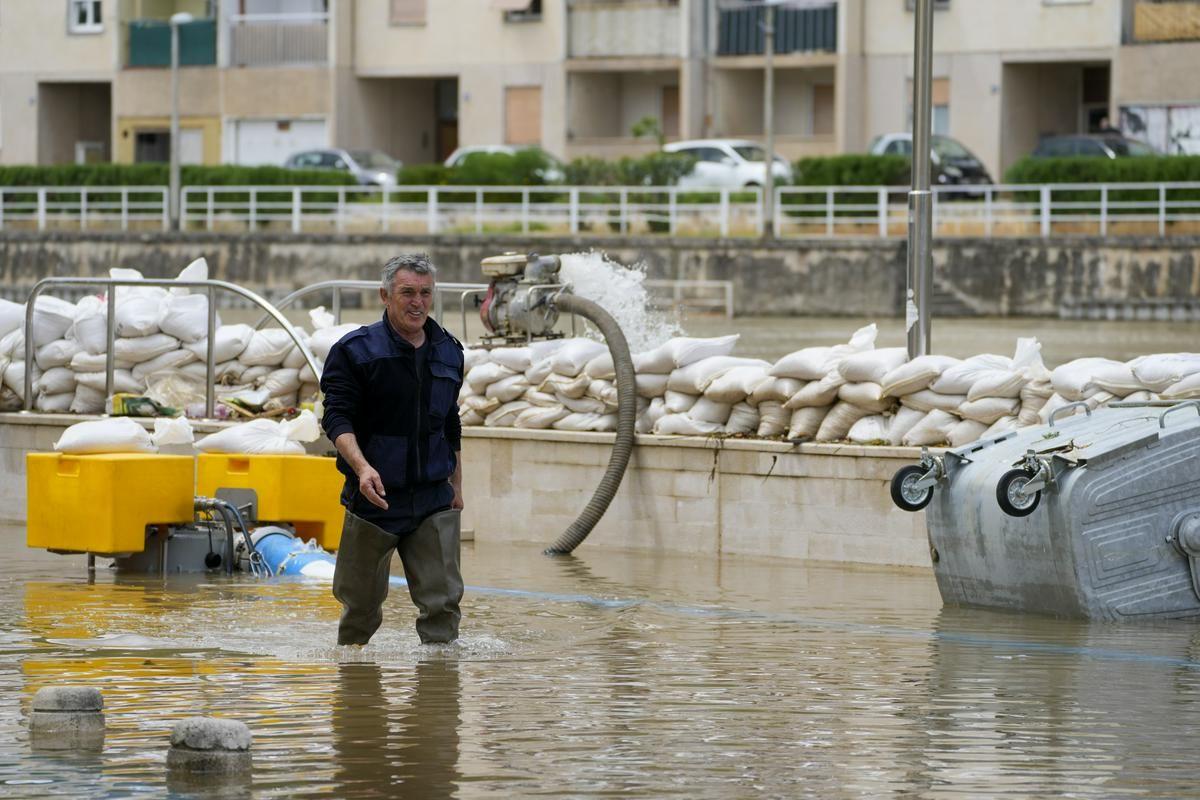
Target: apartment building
260, 79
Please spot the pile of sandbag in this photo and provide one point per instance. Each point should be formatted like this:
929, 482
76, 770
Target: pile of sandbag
159, 349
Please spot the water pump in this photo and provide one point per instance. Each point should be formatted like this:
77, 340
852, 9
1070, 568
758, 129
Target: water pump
520, 301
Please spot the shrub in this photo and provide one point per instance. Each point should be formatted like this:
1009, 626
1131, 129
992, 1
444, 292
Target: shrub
853, 170
159, 175
1085, 169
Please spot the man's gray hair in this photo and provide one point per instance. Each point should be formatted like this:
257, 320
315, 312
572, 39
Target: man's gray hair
416, 263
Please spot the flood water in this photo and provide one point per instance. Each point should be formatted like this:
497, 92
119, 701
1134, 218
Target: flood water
607, 674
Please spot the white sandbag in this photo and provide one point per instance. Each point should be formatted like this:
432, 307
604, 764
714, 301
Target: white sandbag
9, 400
281, 382
1037, 388
267, 348
818, 393
1000, 426
509, 388
308, 391
56, 380
571, 358
650, 385
536, 397
323, 339
778, 390
743, 419
321, 319
678, 402
87, 400
473, 357
653, 362
997, 383
52, 318
90, 324
581, 405
1118, 382
987, 410
1186, 389
1053, 404
14, 377
175, 430
56, 354
707, 410
468, 417
229, 343
1142, 397
870, 430
605, 391
54, 403
683, 425
839, 421
12, 345
601, 368
653, 413
965, 432
929, 400
904, 420
959, 379
139, 309
599, 423
934, 429
572, 387
736, 384
546, 348
12, 316
915, 375
114, 435
1032, 400
264, 436
1074, 380
518, 359
772, 418
539, 417
165, 362
185, 317
871, 366
682, 351
84, 361
1098, 399
506, 414
123, 381
538, 371
256, 375
196, 270
806, 422
867, 396
1158, 372
483, 375
696, 377
483, 405
809, 364
227, 373
143, 348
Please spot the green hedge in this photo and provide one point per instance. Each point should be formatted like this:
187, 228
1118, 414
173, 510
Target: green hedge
158, 175
853, 170
1086, 169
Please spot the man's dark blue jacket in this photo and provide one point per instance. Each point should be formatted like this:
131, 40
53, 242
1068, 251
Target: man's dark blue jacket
405, 419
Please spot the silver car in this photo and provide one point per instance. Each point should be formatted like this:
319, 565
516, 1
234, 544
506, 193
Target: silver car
369, 167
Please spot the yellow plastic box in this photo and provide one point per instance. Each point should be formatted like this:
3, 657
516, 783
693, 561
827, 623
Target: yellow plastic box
102, 503
300, 490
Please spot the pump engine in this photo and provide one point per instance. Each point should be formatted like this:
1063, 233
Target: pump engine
520, 300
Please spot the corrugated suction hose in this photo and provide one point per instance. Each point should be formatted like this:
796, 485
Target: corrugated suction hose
574, 535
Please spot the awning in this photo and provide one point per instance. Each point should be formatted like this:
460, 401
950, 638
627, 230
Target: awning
511, 5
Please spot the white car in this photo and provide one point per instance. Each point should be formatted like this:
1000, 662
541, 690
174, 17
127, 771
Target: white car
728, 163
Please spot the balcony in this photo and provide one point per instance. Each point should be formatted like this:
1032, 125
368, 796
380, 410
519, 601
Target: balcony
150, 43
797, 30
1150, 21
278, 40
623, 29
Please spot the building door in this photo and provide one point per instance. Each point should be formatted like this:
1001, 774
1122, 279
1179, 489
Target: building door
822, 122
445, 94
523, 115
151, 147
271, 141
670, 112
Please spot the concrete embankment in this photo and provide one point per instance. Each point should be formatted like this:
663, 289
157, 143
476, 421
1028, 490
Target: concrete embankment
1071, 276
704, 497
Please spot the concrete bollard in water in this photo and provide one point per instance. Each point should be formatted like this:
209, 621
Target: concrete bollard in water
209, 746
67, 718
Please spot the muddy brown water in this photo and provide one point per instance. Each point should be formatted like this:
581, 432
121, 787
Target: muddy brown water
606, 674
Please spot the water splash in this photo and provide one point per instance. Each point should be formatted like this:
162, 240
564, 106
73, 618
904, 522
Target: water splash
622, 292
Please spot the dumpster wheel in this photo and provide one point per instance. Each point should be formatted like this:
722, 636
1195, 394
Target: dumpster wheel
1010, 496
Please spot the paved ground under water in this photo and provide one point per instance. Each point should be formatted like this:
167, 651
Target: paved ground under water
606, 674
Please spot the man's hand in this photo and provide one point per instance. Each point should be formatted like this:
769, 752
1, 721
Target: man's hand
371, 487
457, 502
456, 483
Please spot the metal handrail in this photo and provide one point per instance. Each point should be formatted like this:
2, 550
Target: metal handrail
336, 286
112, 283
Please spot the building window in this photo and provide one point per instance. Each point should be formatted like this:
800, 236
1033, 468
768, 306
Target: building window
938, 5
407, 12
83, 16
527, 12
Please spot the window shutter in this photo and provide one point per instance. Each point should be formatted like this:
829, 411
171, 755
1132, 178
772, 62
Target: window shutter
408, 12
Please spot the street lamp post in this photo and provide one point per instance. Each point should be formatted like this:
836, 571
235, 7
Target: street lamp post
182, 18
769, 122
920, 199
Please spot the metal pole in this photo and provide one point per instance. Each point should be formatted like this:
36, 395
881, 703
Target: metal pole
920, 199
769, 124
173, 201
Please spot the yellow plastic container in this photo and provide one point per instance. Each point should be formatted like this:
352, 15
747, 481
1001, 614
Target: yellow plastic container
102, 503
300, 490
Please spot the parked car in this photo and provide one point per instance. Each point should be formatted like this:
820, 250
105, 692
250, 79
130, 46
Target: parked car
1102, 145
728, 164
369, 167
550, 174
952, 164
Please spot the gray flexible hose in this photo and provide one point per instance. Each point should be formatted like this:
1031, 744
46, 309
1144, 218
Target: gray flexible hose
578, 530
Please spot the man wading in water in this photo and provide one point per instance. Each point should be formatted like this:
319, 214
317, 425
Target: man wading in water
391, 410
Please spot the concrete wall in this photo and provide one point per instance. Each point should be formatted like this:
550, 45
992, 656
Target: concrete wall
685, 495
1148, 74
1017, 277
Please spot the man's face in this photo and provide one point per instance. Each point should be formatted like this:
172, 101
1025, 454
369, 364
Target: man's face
409, 301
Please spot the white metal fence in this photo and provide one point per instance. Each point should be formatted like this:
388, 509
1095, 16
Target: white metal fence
1160, 209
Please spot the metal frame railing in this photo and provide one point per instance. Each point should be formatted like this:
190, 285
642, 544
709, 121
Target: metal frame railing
338, 286
110, 331
83, 205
